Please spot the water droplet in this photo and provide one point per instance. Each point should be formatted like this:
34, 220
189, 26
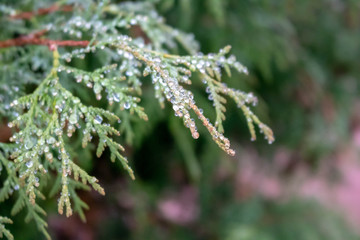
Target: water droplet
176, 108
116, 97
83, 109
126, 105
245, 70
46, 149
29, 164
97, 88
41, 141
58, 132
78, 79
51, 140
53, 92
93, 180
195, 135
73, 118
29, 143
49, 156
98, 119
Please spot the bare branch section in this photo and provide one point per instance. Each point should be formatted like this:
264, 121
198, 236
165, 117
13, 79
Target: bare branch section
34, 39
42, 11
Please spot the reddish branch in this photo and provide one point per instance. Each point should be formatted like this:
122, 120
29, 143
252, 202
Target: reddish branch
34, 39
41, 41
42, 11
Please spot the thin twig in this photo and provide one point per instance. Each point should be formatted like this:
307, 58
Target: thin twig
34, 39
42, 11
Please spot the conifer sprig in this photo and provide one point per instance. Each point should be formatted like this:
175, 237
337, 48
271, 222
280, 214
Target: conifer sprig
52, 113
3, 230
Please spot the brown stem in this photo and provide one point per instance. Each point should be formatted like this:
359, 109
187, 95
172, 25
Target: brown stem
34, 39
42, 11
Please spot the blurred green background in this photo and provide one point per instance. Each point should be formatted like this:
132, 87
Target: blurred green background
303, 58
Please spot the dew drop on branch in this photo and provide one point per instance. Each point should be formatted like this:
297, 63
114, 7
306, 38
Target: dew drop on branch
98, 119
73, 118
29, 164
127, 105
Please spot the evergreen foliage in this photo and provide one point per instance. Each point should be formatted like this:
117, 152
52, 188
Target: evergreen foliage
303, 56
41, 86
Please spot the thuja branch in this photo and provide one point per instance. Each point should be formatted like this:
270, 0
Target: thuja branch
48, 117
